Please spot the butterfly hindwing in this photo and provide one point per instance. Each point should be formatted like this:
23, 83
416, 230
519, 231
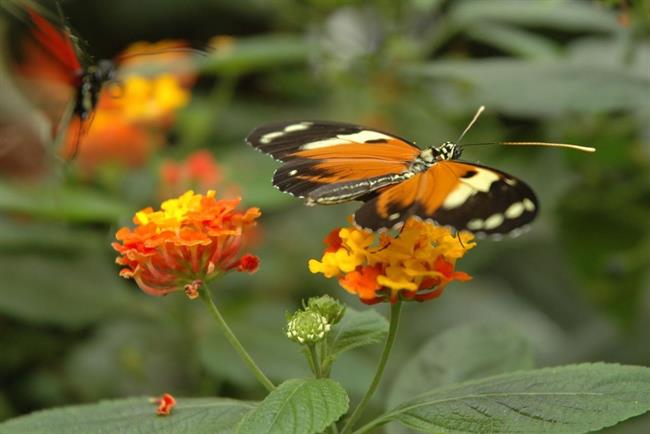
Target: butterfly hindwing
462, 195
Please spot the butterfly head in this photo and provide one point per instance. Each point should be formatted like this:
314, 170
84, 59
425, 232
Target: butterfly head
92, 81
446, 151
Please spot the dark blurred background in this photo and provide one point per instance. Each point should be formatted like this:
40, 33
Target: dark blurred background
577, 286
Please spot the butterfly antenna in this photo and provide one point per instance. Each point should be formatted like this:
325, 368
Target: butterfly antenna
546, 144
480, 110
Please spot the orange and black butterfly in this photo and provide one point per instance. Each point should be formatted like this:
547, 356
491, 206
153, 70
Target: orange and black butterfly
333, 162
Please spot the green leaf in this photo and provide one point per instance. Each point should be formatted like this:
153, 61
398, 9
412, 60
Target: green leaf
568, 15
462, 353
77, 204
568, 399
357, 329
254, 54
297, 406
134, 415
559, 86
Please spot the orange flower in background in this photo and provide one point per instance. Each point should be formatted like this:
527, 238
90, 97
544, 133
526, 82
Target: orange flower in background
192, 239
416, 265
199, 172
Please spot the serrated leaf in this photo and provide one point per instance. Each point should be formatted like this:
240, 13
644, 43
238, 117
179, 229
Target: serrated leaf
297, 406
136, 416
357, 329
567, 399
462, 353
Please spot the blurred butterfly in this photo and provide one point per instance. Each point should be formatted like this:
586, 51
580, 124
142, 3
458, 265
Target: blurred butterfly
332, 162
48, 69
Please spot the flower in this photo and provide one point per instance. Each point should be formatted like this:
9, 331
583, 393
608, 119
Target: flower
165, 404
307, 327
198, 172
416, 264
332, 309
190, 240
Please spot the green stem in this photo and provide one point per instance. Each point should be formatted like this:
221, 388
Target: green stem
395, 310
315, 362
204, 291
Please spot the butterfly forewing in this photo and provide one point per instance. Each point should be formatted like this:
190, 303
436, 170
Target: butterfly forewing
338, 161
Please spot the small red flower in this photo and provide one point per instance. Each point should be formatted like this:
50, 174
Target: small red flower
165, 404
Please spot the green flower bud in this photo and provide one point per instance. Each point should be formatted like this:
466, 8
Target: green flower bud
307, 327
329, 307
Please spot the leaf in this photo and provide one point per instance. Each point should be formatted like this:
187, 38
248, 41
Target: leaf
357, 329
459, 354
567, 399
134, 415
515, 41
297, 406
77, 204
564, 15
559, 86
254, 54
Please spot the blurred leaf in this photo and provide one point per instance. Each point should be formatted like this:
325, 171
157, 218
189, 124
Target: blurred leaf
245, 55
514, 41
127, 356
78, 204
567, 399
357, 329
54, 275
260, 329
569, 15
135, 416
297, 406
459, 354
539, 89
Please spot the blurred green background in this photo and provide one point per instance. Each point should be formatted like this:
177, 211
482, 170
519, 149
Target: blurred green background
576, 287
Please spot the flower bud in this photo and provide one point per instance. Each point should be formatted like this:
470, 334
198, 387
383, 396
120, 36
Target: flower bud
329, 307
307, 327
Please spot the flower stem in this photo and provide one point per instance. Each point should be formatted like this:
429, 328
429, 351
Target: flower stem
315, 361
204, 291
395, 310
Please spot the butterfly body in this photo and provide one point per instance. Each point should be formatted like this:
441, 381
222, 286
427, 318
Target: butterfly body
330, 162
90, 85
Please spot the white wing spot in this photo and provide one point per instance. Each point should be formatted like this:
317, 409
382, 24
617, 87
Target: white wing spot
494, 221
393, 216
297, 127
510, 181
515, 210
293, 172
266, 138
458, 196
482, 180
324, 144
528, 204
475, 224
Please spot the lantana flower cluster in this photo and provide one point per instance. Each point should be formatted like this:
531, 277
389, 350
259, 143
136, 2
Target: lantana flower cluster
192, 239
415, 264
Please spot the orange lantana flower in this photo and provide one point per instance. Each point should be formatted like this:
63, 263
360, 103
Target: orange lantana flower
190, 240
416, 264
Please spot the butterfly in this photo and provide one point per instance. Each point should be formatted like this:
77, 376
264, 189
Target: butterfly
333, 162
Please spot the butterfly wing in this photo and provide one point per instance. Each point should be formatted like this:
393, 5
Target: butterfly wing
462, 195
333, 162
